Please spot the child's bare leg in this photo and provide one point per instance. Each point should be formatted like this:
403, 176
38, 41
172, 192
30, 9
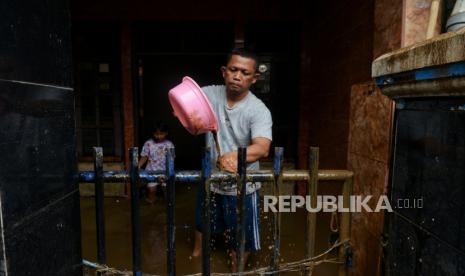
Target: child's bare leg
197, 244
163, 189
152, 193
233, 258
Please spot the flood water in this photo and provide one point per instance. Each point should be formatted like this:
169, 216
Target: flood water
153, 236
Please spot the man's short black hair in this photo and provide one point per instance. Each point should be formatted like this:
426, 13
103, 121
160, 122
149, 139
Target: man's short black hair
243, 53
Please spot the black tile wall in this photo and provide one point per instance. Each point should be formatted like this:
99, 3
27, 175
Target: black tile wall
429, 164
37, 134
35, 44
39, 196
46, 242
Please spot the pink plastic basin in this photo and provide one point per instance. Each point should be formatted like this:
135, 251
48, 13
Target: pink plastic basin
192, 107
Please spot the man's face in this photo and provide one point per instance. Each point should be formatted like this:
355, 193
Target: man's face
239, 74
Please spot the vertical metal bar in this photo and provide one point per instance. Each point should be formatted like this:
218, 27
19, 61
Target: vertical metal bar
276, 218
206, 173
171, 231
139, 101
344, 231
312, 190
135, 217
99, 204
240, 209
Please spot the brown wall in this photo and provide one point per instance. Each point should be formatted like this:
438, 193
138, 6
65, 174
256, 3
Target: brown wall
369, 143
338, 54
342, 40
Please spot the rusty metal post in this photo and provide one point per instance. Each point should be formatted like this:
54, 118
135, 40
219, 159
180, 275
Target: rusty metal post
135, 214
312, 190
344, 231
276, 218
170, 206
99, 204
205, 181
240, 209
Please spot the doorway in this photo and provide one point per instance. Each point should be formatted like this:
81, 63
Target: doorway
165, 53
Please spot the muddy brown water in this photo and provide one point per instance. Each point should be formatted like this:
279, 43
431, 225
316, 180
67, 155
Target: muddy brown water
153, 236
218, 149
217, 143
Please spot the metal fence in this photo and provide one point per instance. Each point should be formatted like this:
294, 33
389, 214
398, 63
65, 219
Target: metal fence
275, 177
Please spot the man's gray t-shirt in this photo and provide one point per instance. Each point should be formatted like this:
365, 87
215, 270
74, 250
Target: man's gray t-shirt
238, 125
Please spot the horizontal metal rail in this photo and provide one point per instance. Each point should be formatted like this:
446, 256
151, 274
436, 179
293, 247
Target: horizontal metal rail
137, 178
195, 176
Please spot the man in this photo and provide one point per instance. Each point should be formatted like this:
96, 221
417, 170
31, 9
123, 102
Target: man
243, 120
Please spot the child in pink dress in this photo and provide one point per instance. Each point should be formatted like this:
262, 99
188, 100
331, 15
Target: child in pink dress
154, 153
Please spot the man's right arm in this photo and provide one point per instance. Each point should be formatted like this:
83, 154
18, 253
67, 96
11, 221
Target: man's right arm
259, 148
261, 132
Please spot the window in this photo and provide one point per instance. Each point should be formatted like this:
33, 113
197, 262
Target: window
98, 108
